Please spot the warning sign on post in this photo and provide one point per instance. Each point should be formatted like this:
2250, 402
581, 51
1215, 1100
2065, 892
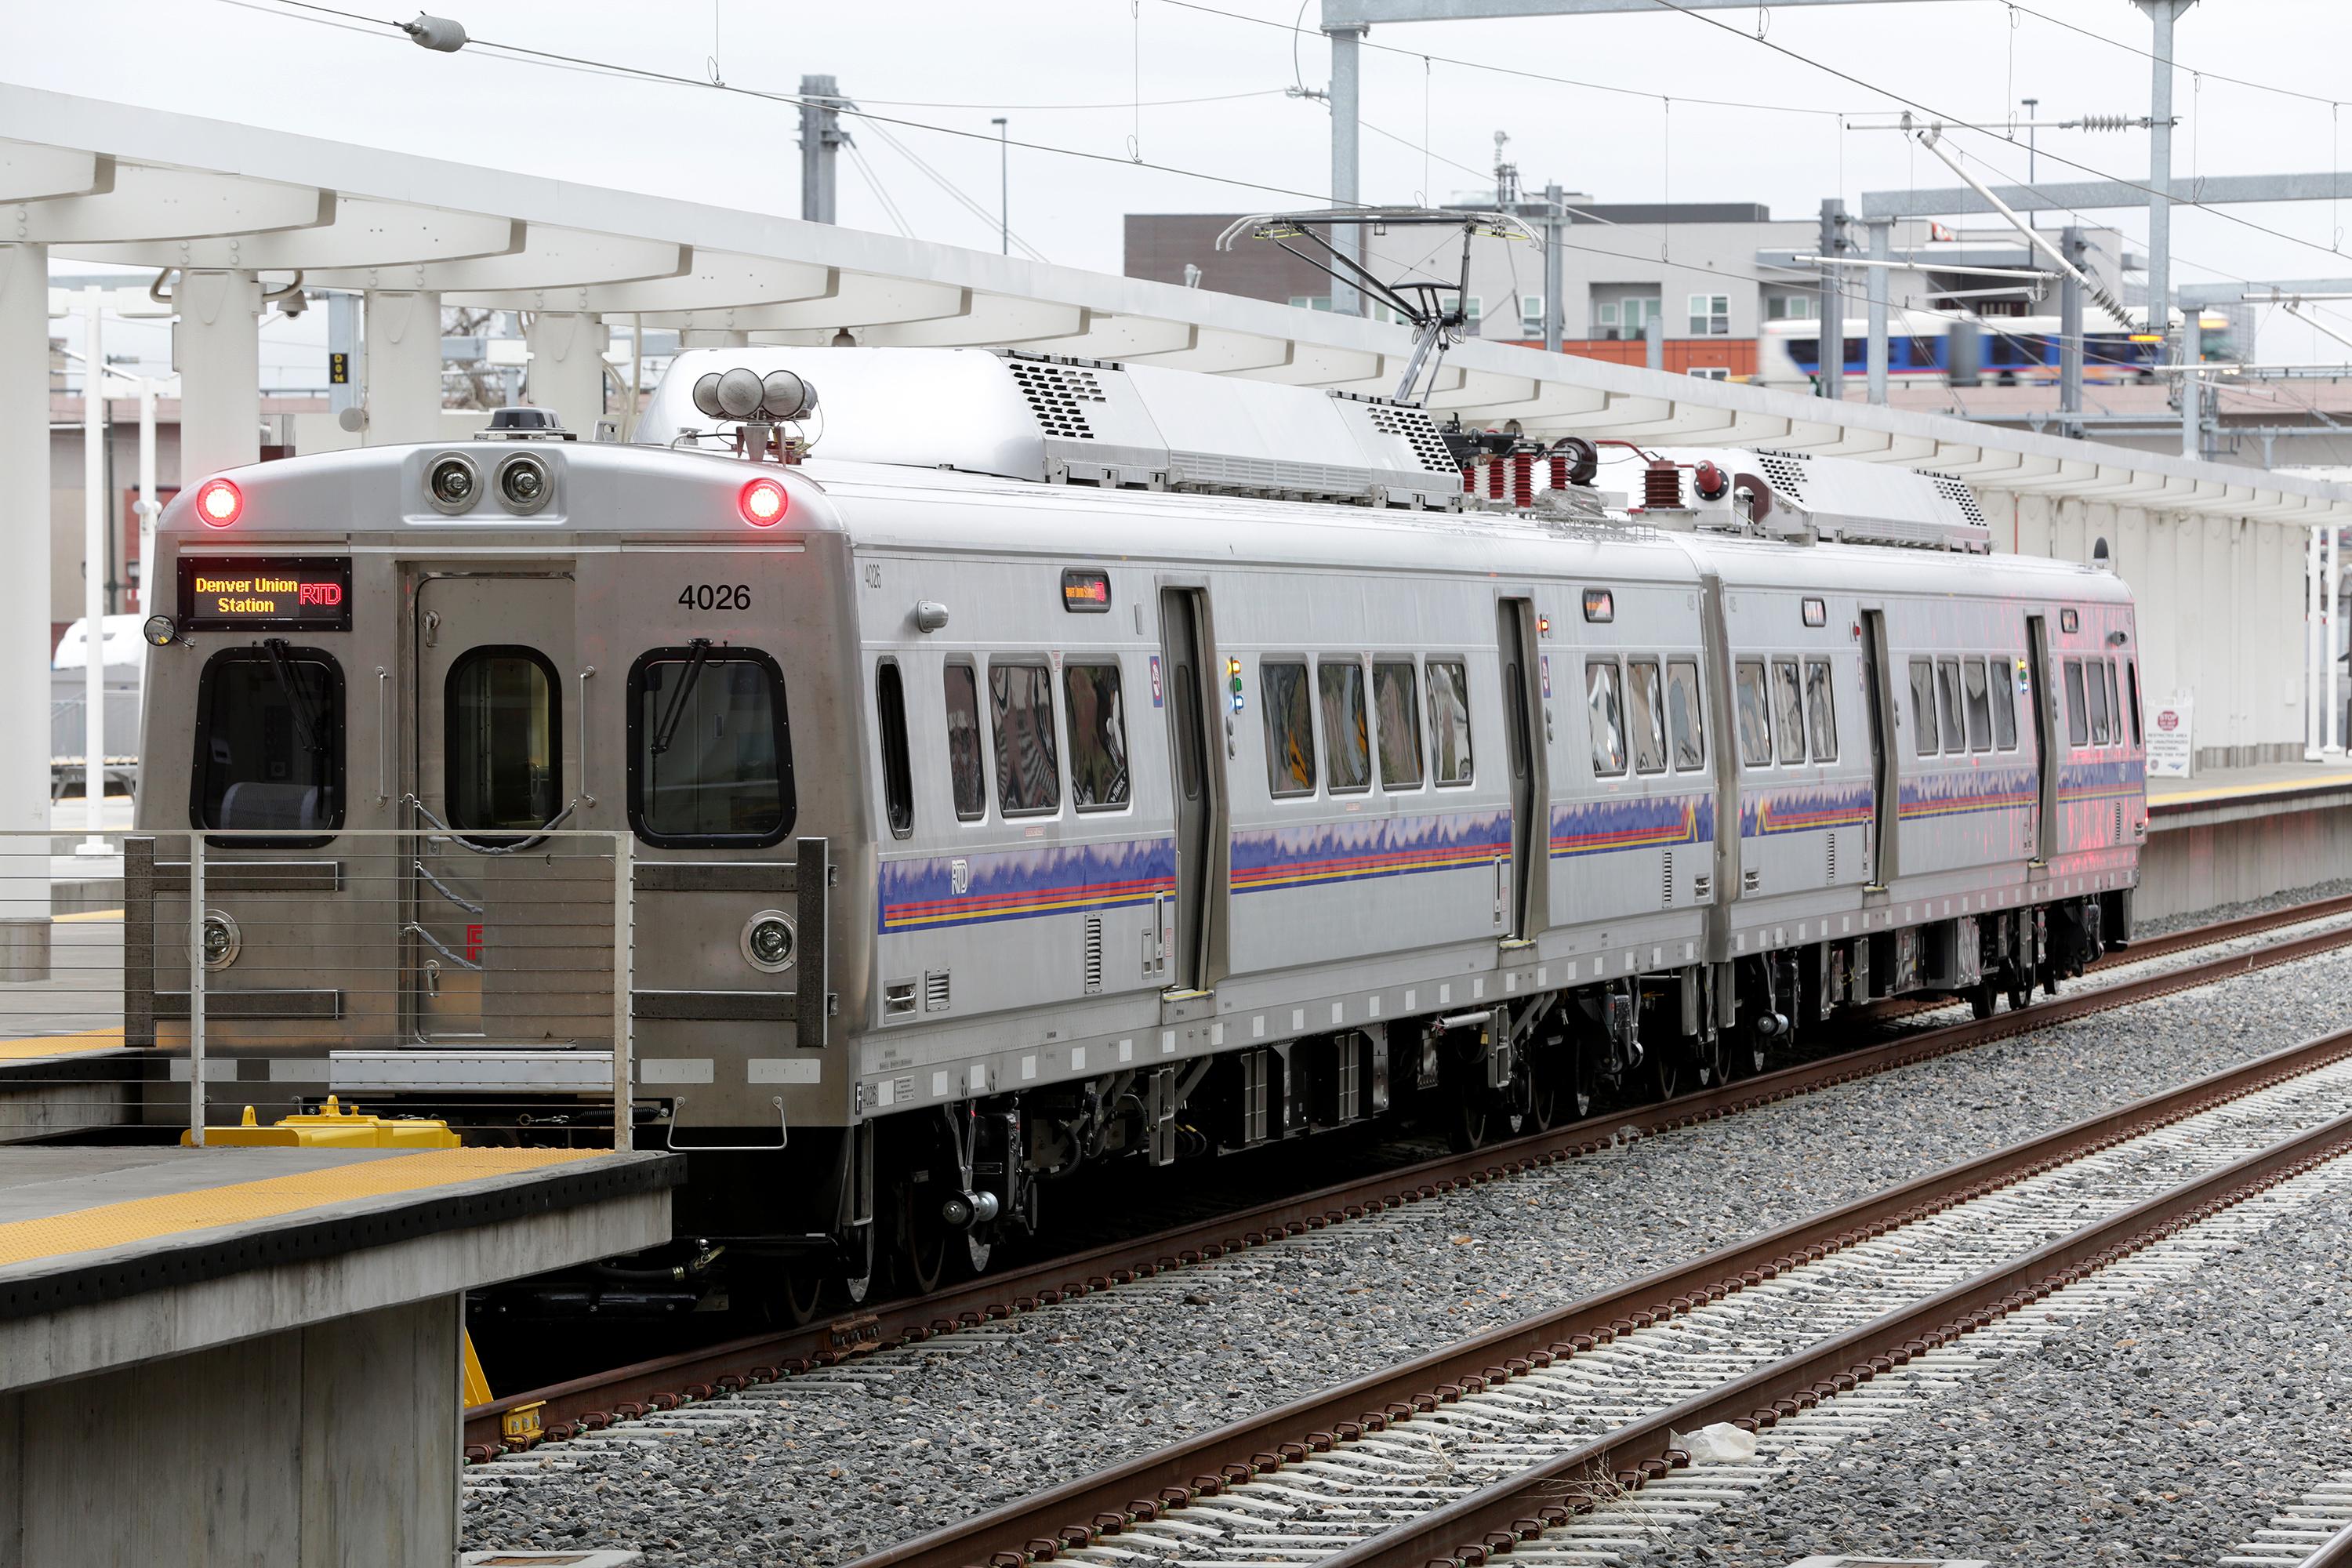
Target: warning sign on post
2169, 747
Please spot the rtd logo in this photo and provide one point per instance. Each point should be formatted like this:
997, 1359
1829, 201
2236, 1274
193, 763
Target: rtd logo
326, 593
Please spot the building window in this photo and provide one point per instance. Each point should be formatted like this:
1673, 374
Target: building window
1473, 307
1605, 314
1710, 315
1793, 308
1710, 373
1531, 315
1310, 301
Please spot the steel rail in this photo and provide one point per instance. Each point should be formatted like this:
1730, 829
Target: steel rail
2336, 1552
596, 1399
1032, 1528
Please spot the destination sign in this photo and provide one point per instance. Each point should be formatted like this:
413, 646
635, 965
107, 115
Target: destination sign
274, 594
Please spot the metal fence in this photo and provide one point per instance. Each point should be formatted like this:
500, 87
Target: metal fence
154, 981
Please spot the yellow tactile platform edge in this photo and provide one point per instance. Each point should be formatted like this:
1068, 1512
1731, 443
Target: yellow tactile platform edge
71, 1045
236, 1202
2248, 792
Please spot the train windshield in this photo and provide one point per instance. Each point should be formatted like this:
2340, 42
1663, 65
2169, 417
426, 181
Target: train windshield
269, 740
710, 759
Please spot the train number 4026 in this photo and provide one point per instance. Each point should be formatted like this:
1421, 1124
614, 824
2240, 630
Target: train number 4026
716, 596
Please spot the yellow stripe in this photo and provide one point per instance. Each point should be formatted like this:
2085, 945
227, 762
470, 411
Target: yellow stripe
236, 1202
63, 1044
2157, 795
90, 915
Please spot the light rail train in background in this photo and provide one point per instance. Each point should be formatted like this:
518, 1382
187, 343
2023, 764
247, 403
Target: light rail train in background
2010, 349
1031, 762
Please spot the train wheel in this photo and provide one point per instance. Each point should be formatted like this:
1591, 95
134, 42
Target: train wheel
1983, 997
1713, 1059
1668, 1068
857, 1265
920, 1253
799, 1294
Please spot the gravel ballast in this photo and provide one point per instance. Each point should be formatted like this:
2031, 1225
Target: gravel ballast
2170, 1428
829, 1472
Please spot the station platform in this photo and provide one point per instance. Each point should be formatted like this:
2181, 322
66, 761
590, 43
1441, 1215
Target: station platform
2229, 836
251, 1356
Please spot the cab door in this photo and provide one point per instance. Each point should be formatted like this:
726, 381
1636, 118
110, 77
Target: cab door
503, 931
1189, 917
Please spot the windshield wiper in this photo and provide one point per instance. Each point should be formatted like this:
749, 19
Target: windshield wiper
668, 727
306, 726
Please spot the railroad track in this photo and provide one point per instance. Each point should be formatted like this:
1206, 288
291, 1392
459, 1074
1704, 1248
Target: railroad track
1551, 1429
666, 1384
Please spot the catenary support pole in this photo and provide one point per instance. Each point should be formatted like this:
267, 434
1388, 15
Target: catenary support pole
1347, 300
1882, 248
1555, 310
2163, 14
1653, 340
2192, 415
25, 605
94, 497
820, 140
1830, 375
2070, 335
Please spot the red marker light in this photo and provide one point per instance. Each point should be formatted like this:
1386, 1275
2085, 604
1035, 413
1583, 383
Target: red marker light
219, 503
762, 503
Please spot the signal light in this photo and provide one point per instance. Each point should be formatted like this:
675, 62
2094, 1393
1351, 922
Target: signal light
219, 503
763, 502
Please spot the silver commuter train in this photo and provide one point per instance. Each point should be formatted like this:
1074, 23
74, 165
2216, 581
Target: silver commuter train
1032, 762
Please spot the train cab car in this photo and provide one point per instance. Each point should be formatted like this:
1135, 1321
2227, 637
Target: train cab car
944, 770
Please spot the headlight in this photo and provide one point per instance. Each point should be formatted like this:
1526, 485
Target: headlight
768, 941
524, 484
452, 483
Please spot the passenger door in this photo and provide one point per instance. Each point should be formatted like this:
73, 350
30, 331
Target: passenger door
1886, 780
2047, 751
498, 946
1196, 780
1523, 880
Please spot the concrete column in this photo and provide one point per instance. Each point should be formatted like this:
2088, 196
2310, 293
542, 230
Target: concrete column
1347, 300
567, 366
2192, 415
1654, 341
2332, 731
2314, 680
216, 348
1555, 310
2070, 333
403, 366
25, 608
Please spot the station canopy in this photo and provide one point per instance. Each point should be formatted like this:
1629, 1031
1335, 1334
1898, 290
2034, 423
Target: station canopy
102, 181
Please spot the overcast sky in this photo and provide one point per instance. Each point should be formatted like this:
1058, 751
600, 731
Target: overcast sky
1069, 74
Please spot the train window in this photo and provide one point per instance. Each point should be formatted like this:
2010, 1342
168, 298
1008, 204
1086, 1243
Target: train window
1605, 706
1820, 710
1979, 703
269, 743
503, 757
1682, 717
966, 769
1788, 710
1923, 706
2078, 726
1098, 737
1642, 688
1755, 714
1347, 741
1947, 705
890, 718
1028, 772
1289, 728
1399, 708
2115, 701
2003, 692
1449, 721
2131, 680
2095, 670
710, 756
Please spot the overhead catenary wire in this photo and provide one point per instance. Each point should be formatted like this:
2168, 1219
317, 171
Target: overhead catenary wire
1959, 122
